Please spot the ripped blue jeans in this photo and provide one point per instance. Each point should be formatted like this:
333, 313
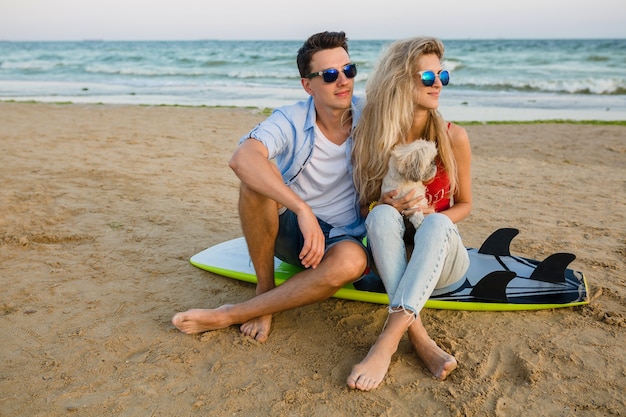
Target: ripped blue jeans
439, 257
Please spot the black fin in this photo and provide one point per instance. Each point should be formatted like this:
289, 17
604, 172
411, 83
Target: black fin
498, 242
492, 287
552, 269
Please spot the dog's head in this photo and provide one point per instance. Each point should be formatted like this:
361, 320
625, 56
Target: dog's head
415, 161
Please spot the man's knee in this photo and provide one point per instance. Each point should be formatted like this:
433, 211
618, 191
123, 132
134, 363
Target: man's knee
350, 259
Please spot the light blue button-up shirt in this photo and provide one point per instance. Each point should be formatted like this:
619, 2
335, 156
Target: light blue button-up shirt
289, 136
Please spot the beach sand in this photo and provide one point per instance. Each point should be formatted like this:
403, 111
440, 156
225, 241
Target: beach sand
102, 206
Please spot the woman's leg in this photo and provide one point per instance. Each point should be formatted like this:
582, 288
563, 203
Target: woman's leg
438, 259
385, 232
439, 362
370, 372
438, 249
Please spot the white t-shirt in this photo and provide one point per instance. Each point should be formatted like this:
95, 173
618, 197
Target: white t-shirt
325, 184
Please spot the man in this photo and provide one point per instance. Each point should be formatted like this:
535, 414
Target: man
303, 208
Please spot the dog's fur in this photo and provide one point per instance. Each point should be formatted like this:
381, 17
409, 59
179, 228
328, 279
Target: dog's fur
410, 165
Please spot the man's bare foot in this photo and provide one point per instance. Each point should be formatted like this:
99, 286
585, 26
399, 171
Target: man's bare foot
201, 320
258, 328
370, 372
439, 362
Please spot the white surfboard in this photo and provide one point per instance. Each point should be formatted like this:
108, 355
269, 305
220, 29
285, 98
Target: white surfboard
495, 280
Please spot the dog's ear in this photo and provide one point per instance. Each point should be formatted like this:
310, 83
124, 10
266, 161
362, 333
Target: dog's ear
404, 157
431, 169
427, 154
428, 169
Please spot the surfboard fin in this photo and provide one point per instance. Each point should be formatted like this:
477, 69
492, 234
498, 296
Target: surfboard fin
492, 287
552, 269
499, 242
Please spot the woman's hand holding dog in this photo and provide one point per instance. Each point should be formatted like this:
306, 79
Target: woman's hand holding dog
408, 204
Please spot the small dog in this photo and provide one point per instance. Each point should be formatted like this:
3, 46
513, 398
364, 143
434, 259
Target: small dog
410, 165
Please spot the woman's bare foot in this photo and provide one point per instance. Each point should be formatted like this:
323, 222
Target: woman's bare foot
257, 328
370, 372
201, 320
439, 362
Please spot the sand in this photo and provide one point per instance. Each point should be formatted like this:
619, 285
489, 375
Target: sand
101, 207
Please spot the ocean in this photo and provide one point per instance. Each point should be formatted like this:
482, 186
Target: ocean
491, 80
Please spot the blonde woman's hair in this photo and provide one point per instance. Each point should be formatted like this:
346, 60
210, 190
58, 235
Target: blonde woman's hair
388, 114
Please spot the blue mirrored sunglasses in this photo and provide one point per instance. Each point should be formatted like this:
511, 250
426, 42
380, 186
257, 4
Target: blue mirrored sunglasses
428, 77
330, 75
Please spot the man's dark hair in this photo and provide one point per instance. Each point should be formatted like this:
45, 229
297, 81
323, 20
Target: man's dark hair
316, 43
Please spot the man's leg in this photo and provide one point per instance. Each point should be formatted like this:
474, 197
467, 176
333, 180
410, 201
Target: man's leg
344, 262
259, 222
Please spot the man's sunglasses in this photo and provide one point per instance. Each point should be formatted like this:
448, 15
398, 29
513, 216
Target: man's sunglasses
428, 77
330, 75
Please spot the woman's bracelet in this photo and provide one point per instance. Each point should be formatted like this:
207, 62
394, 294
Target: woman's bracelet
372, 205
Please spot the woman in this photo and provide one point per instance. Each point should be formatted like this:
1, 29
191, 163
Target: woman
401, 107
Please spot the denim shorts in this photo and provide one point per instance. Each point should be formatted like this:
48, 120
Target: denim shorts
290, 241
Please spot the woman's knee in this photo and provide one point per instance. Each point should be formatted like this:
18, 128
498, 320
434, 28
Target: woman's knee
438, 220
384, 219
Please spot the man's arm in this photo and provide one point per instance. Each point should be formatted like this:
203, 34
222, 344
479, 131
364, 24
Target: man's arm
251, 164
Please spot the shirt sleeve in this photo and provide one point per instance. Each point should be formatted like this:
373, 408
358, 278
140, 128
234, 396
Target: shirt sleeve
273, 133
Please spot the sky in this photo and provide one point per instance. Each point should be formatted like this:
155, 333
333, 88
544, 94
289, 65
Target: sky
51, 20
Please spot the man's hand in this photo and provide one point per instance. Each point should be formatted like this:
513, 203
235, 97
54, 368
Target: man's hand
314, 241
